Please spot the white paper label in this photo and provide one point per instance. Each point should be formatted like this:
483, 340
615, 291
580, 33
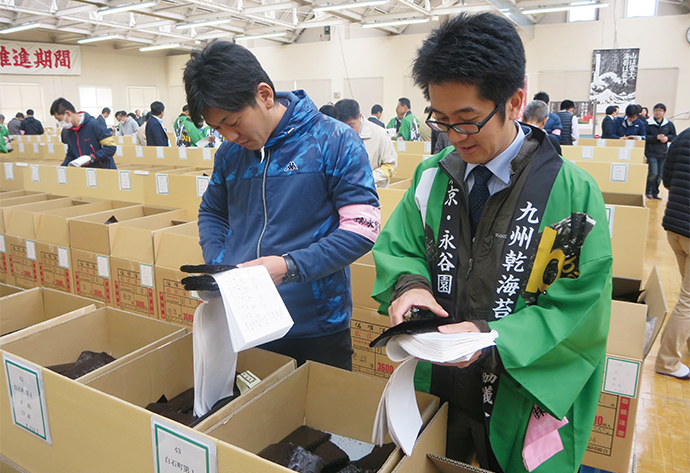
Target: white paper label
146, 271
176, 450
162, 184
141, 173
62, 175
63, 257
139, 151
31, 250
402, 146
66, 147
629, 143
207, 154
160, 152
120, 139
601, 143
427, 147
35, 173
103, 266
2, 243
182, 152
623, 154
28, 138
51, 148
9, 171
118, 151
587, 152
619, 173
620, 377
125, 182
201, 185
91, 179
21, 147
610, 217
134, 139
38, 138
49, 138
27, 397
35, 148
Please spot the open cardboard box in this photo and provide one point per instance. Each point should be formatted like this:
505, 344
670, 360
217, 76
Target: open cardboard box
628, 217
34, 306
27, 199
316, 395
633, 329
617, 178
363, 274
8, 290
169, 370
175, 247
21, 220
365, 325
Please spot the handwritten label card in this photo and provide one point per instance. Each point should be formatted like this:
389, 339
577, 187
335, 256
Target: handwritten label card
91, 180
146, 271
620, 377
182, 152
139, 151
103, 266
623, 154
587, 152
62, 175
160, 152
201, 185
176, 450
125, 181
63, 257
162, 184
31, 250
619, 173
118, 151
207, 154
9, 171
35, 173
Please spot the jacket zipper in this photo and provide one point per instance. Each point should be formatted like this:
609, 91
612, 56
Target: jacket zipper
263, 198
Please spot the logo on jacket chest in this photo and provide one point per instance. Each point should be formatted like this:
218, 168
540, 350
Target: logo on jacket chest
291, 167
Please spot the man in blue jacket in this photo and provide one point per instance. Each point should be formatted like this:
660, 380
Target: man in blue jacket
88, 143
660, 134
155, 134
631, 127
292, 190
609, 125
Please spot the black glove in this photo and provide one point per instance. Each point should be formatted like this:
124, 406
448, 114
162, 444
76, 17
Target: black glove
202, 280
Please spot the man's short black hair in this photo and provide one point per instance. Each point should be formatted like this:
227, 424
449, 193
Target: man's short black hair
661, 106
405, 102
59, 107
535, 112
120, 113
376, 109
223, 75
19, 115
346, 109
105, 110
543, 96
632, 110
328, 110
157, 108
29, 112
185, 108
567, 104
610, 109
483, 50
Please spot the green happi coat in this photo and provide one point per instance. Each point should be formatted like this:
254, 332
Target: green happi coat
552, 346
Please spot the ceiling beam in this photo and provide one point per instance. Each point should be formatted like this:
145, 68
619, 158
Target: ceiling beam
508, 9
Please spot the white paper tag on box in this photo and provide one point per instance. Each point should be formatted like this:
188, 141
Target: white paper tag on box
66, 148
31, 250
623, 154
38, 138
176, 450
402, 146
49, 138
118, 151
63, 257
427, 147
35, 148
125, 181
619, 173
146, 272
141, 173
629, 143
610, 217
9, 171
620, 377
103, 266
182, 152
134, 139
162, 184
601, 143
160, 152
62, 175
139, 151
21, 147
587, 152
27, 397
207, 154
2, 244
120, 140
91, 179
51, 148
22, 165
201, 185
28, 138
35, 173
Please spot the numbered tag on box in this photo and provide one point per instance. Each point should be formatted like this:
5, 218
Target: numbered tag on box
125, 181
619, 173
402, 146
623, 154
587, 152
35, 148
31, 250
63, 257
9, 171
629, 143
134, 139
27, 397
21, 147
146, 274
160, 152
427, 147
118, 151
91, 178
162, 184
175, 450
182, 152
620, 377
51, 148
139, 151
120, 139
62, 175
601, 143
201, 185
207, 154
2, 244
103, 266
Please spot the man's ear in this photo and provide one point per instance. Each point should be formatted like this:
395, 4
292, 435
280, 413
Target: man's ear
265, 95
514, 104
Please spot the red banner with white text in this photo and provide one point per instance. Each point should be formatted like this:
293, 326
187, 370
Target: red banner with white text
39, 58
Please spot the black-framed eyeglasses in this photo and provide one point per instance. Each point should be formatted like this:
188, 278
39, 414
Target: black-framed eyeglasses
464, 128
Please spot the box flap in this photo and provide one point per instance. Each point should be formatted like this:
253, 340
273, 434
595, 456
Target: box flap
446, 465
178, 245
653, 296
133, 239
19, 221
627, 330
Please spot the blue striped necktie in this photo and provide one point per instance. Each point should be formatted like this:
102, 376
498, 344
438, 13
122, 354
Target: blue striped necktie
478, 195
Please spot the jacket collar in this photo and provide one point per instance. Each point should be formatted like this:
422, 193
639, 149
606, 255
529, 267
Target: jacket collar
653, 122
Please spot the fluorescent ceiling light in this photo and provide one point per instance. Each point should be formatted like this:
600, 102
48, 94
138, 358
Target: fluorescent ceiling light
271, 7
538, 11
259, 36
203, 23
124, 8
319, 24
14, 29
412, 21
343, 6
97, 38
461, 9
160, 46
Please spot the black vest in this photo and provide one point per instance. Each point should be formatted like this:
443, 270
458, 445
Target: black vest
566, 137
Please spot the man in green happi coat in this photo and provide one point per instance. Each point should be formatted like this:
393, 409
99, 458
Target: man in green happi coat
499, 232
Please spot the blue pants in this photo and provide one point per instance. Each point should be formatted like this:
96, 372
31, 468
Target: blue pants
655, 169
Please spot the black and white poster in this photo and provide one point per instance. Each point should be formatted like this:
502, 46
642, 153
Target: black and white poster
614, 76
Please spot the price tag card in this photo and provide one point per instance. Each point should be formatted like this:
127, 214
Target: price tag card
35, 148
118, 151
134, 139
139, 151
120, 139
21, 147
51, 148
91, 179
207, 154
629, 143
103, 266
620, 377
63, 257
35, 173
146, 272
62, 175
623, 154
601, 143
176, 450
619, 173
182, 152
587, 152
162, 184
2, 244
402, 146
160, 152
125, 181
610, 217
201, 185
31, 250
27, 397
9, 171
427, 147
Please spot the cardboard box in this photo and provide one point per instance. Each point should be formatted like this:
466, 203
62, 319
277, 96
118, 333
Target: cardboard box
174, 247
407, 163
27, 199
169, 370
389, 200
617, 178
602, 154
365, 326
611, 143
35, 306
402, 183
21, 220
412, 147
7, 290
12, 177
633, 329
307, 396
362, 275
132, 261
21, 259
628, 218
175, 190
